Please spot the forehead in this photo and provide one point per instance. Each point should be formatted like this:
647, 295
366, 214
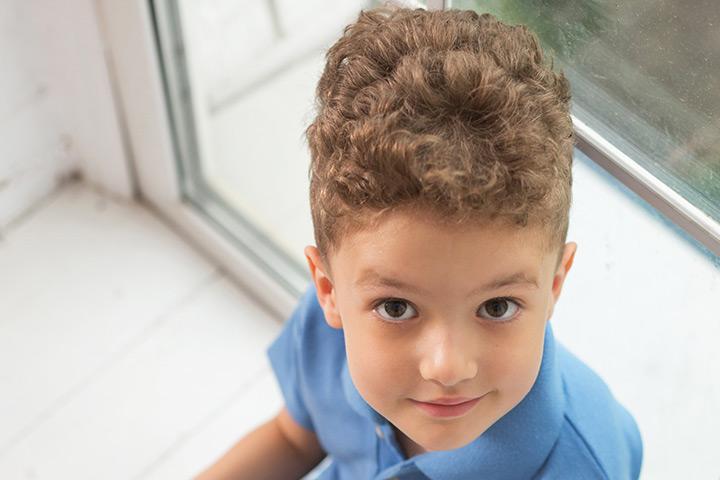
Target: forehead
411, 245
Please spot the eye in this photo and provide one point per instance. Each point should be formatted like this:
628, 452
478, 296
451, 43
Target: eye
499, 309
394, 310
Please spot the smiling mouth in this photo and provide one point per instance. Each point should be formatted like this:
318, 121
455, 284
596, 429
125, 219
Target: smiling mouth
451, 400
447, 407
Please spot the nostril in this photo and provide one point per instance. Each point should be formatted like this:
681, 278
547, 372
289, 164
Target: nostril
448, 373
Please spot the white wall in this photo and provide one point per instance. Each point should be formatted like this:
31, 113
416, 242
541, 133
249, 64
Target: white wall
57, 112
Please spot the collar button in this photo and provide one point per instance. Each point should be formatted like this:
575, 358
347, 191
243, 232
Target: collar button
379, 431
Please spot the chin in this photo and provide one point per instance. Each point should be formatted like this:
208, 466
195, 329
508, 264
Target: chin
443, 440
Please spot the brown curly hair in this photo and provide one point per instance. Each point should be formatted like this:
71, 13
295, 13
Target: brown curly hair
449, 112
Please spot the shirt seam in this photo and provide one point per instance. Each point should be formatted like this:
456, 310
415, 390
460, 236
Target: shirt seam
587, 446
547, 459
575, 428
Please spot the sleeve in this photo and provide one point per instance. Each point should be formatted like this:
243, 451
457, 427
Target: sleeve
285, 358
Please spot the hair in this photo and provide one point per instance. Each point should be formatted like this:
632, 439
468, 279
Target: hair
446, 112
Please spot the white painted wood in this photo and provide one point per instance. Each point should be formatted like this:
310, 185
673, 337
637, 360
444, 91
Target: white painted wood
90, 107
189, 365
81, 279
252, 406
250, 276
35, 149
129, 33
128, 399
56, 109
222, 429
131, 39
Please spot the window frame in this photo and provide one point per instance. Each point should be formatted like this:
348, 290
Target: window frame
134, 57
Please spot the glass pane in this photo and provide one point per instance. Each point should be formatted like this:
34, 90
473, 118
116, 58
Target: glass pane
253, 66
241, 79
644, 74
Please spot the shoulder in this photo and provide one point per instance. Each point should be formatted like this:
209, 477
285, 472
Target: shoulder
317, 337
599, 438
309, 338
306, 357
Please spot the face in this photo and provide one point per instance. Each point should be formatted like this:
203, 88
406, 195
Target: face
443, 328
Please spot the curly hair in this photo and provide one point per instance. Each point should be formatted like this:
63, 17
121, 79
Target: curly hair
449, 112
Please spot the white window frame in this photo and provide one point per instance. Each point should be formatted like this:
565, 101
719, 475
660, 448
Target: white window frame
133, 56
134, 61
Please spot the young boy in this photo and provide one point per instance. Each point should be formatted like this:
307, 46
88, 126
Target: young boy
440, 191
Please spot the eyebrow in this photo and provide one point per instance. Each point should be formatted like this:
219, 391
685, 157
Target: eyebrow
371, 277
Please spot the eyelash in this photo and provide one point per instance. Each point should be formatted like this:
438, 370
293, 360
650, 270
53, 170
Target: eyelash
381, 301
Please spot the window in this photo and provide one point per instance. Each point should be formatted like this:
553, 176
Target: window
241, 80
645, 78
240, 77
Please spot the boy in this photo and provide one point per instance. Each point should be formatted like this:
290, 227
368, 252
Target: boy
440, 191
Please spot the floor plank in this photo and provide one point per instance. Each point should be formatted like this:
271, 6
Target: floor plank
244, 411
81, 279
118, 341
195, 361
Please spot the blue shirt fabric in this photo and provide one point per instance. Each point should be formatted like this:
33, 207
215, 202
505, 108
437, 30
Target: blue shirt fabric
567, 426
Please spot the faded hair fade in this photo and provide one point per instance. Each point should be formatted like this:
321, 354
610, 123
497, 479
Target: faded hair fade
447, 112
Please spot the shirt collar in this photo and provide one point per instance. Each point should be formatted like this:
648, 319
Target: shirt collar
516, 445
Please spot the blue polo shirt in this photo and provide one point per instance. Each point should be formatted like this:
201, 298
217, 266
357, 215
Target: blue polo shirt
567, 426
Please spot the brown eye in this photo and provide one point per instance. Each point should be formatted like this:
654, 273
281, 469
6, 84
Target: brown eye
499, 309
394, 309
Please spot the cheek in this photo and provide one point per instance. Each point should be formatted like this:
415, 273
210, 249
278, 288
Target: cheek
515, 363
377, 365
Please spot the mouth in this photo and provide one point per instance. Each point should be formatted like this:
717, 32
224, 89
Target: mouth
447, 407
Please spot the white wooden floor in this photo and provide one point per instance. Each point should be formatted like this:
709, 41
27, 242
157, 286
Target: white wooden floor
124, 354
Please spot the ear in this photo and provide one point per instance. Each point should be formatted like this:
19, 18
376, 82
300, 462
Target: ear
323, 286
561, 273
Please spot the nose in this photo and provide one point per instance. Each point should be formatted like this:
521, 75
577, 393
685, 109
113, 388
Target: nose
448, 359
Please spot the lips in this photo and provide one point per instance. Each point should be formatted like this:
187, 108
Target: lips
450, 400
447, 407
